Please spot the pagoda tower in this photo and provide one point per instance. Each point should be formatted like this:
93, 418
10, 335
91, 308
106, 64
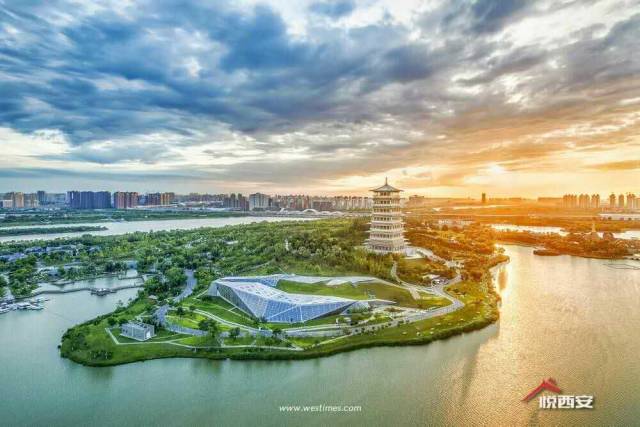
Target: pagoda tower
386, 234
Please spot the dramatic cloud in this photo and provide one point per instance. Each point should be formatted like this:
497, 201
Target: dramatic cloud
448, 97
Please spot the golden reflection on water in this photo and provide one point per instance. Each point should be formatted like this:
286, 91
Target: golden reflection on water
563, 317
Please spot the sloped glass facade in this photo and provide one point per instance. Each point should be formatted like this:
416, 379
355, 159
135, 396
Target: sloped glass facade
262, 301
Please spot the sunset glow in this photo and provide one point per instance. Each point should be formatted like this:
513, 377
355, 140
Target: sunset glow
446, 98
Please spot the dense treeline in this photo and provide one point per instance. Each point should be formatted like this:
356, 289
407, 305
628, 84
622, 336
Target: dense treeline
472, 246
583, 244
322, 247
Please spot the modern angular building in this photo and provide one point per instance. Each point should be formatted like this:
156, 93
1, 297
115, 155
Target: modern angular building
259, 298
386, 234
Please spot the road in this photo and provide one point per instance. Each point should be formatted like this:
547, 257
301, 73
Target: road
437, 290
188, 289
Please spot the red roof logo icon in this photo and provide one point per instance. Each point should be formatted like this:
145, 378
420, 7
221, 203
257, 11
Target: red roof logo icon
549, 384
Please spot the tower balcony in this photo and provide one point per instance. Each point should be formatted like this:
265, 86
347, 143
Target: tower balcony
398, 213
395, 207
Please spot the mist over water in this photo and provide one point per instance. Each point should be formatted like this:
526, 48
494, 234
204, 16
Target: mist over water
569, 318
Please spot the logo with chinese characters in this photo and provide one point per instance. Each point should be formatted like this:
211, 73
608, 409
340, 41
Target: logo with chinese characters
558, 401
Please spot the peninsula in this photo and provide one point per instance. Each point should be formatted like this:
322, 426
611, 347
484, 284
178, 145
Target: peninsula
195, 277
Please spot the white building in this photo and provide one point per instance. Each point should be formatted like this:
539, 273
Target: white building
137, 331
258, 201
386, 234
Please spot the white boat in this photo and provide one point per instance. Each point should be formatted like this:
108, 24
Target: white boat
4, 310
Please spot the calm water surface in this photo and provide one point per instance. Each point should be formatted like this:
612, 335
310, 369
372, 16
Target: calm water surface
573, 319
114, 228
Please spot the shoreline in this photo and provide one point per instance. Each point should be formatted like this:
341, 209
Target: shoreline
489, 306
189, 353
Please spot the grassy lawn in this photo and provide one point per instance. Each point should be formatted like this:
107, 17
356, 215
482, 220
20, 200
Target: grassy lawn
161, 335
246, 340
205, 341
346, 290
363, 291
188, 320
305, 342
378, 319
219, 307
429, 301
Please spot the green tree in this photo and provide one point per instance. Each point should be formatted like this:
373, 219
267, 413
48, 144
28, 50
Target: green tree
213, 329
234, 333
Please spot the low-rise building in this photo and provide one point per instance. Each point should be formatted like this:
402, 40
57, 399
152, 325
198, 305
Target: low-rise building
137, 331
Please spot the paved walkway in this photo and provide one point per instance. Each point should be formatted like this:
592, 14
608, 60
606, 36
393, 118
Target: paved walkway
161, 313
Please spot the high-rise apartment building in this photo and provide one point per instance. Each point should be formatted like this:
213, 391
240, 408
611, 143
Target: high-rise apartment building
259, 201
89, 199
17, 199
125, 199
42, 197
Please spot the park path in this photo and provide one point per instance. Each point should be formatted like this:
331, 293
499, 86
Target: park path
437, 290
161, 313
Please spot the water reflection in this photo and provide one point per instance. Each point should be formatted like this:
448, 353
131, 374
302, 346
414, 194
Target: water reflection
564, 317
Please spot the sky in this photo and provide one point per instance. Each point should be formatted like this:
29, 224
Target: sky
446, 98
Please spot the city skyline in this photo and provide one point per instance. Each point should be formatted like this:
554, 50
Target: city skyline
448, 99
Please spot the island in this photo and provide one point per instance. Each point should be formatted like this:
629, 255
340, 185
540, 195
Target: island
586, 245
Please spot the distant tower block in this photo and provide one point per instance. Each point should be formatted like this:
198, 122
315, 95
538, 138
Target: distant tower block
484, 198
387, 229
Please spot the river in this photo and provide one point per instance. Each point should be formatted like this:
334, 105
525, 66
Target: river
569, 318
125, 227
